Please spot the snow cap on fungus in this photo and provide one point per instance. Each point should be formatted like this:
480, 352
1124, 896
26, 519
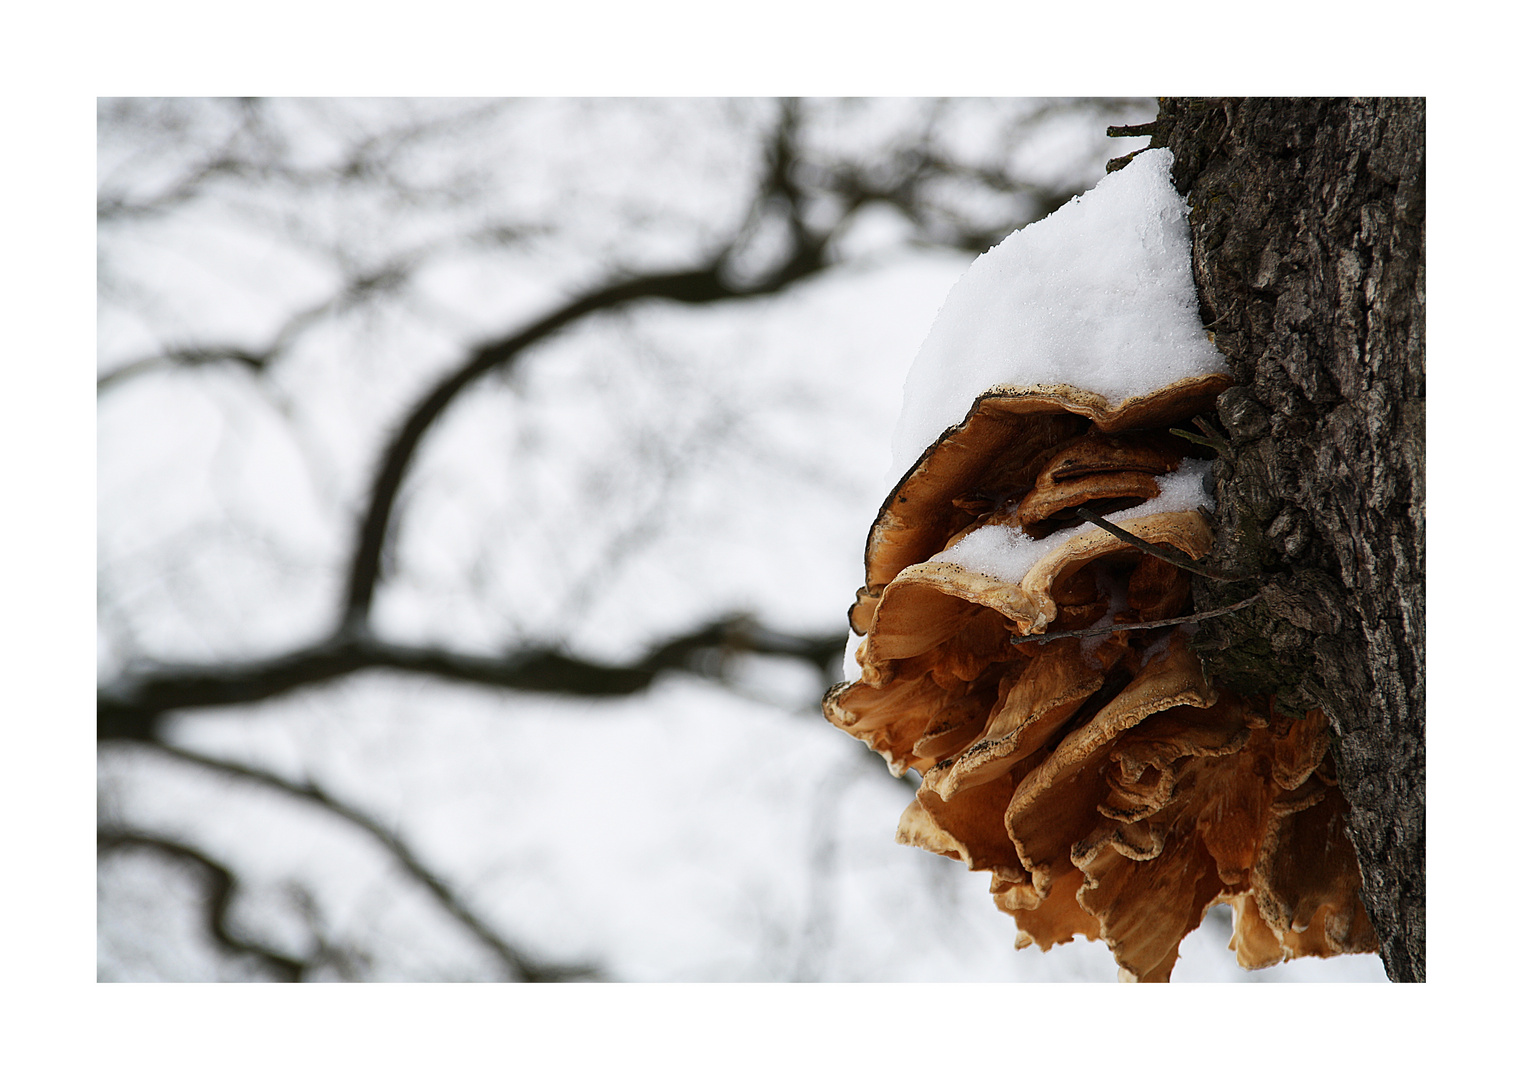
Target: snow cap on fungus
1095, 302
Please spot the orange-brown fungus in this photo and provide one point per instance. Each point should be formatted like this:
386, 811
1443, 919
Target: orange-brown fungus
1107, 786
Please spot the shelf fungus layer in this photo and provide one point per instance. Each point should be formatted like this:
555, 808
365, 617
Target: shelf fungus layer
1108, 788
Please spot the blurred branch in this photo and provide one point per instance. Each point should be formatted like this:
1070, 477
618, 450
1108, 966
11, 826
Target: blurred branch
692, 287
133, 714
906, 187
518, 965
219, 898
132, 709
252, 150
356, 291
705, 283
191, 356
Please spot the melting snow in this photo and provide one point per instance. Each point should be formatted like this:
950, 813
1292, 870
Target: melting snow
1098, 295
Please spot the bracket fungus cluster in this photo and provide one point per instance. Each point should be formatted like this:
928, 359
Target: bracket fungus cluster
1108, 787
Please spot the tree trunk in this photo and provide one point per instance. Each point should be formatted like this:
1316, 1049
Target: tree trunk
1308, 223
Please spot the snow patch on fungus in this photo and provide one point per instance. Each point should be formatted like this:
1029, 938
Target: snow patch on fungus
1099, 294
1007, 553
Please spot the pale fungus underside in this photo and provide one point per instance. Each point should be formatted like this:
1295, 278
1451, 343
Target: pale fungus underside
1107, 786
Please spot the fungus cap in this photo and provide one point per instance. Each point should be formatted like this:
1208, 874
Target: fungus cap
999, 448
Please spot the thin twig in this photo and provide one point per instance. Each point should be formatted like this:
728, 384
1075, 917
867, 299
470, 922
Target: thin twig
1208, 430
1210, 438
1153, 549
1196, 439
1121, 162
1096, 631
1232, 309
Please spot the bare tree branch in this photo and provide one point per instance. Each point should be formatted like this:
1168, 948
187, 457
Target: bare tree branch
515, 961
219, 898
253, 152
356, 291
692, 287
704, 284
133, 708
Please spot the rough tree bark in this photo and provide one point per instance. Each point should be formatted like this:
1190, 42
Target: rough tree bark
1307, 218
